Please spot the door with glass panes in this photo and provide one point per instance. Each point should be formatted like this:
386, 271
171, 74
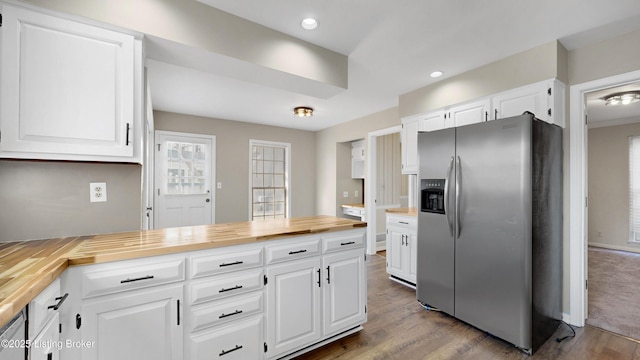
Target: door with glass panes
184, 165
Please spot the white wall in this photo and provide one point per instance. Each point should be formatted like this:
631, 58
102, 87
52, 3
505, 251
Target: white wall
609, 186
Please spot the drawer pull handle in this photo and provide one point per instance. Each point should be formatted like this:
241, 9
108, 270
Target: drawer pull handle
229, 289
136, 279
60, 300
403, 222
347, 243
231, 264
297, 252
225, 352
231, 314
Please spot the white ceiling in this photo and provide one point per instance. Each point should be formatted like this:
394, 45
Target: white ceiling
392, 46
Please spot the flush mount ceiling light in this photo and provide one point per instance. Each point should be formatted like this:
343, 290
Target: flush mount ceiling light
622, 98
309, 24
302, 111
436, 74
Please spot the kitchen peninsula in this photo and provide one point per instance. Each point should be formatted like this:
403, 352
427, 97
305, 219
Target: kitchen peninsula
238, 287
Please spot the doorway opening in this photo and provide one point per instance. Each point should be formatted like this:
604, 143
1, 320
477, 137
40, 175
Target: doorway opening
579, 194
375, 206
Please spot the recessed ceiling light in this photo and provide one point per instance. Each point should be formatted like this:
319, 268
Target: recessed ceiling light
309, 24
436, 74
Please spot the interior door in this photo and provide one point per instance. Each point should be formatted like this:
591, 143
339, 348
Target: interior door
492, 285
184, 178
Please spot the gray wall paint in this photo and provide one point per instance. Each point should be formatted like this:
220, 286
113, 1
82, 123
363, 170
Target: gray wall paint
232, 161
48, 199
609, 186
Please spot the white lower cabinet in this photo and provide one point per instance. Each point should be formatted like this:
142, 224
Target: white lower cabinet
293, 298
345, 291
240, 340
310, 300
142, 324
402, 241
264, 300
46, 343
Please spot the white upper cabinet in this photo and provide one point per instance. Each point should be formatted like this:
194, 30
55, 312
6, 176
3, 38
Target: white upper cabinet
469, 113
69, 90
357, 159
432, 121
409, 145
544, 99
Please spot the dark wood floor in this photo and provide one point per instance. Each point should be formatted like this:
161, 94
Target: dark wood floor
399, 328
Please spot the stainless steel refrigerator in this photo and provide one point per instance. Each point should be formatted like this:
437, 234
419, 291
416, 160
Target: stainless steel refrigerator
490, 226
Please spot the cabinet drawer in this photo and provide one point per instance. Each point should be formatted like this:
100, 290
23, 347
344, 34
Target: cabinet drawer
292, 251
407, 221
225, 262
239, 341
44, 306
219, 312
224, 286
112, 280
343, 242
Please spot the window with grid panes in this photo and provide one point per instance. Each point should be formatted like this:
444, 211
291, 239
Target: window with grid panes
269, 180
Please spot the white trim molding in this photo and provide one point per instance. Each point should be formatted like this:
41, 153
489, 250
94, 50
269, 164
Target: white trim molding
578, 191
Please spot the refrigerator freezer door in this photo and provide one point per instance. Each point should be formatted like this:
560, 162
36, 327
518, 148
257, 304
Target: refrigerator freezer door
435, 277
493, 248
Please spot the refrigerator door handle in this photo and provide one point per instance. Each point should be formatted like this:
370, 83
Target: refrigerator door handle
446, 196
458, 176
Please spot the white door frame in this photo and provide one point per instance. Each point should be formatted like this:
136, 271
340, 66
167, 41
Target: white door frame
213, 169
578, 190
370, 190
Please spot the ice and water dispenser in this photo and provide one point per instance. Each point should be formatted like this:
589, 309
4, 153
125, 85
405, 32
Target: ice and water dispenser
432, 195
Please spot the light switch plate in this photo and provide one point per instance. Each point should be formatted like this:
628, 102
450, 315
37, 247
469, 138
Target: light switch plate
345, 194
98, 191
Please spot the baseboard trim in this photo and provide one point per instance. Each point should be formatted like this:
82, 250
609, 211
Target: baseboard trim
633, 249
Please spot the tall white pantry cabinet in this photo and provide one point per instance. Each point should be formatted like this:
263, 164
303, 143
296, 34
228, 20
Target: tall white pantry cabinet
70, 90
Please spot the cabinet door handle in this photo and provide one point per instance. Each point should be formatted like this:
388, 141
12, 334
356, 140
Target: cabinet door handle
127, 280
347, 243
230, 314
50, 356
328, 275
229, 289
60, 299
232, 263
297, 252
319, 278
496, 114
127, 137
225, 352
403, 222
178, 310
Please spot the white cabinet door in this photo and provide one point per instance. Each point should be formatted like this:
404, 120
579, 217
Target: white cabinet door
531, 98
409, 148
357, 159
395, 245
432, 121
67, 88
293, 305
45, 345
136, 325
345, 291
470, 113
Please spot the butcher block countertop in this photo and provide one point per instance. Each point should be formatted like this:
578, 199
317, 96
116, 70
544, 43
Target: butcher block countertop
406, 211
28, 267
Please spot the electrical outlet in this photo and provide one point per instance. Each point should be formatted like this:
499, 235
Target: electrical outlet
345, 194
98, 192
355, 193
